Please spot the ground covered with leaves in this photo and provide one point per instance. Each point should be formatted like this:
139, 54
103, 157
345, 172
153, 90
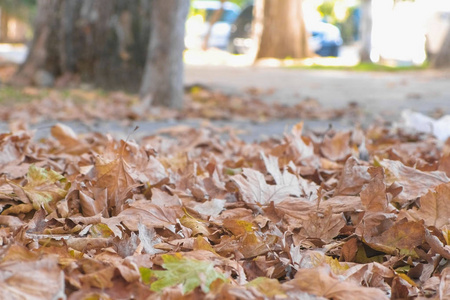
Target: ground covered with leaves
191, 215
87, 105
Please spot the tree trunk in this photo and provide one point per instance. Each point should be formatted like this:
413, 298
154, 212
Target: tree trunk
280, 29
3, 26
442, 58
102, 42
163, 77
366, 31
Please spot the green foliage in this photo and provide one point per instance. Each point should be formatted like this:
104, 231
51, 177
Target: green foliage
146, 275
326, 8
363, 67
190, 273
24, 10
44, 186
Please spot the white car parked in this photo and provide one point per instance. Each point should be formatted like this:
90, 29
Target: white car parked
198, 24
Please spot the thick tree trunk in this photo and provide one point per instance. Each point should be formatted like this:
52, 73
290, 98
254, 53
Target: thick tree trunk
102, 42
163, 77
366, 31
281, 29
442, 58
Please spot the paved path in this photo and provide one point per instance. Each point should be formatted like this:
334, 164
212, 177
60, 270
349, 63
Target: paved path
386, 93
377, 93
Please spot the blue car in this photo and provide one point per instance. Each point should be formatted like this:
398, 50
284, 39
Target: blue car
325, 39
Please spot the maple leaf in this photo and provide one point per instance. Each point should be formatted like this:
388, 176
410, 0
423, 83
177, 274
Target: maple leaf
255, 190
338, 147
373, 196
288, 179
267, 286
190, 273
42, 187
402, 239
68, 140
197, 226
149, 239
115, 175
353, 177
149, 214
320, 282
415, 183
32, 279
435, 207
324, 226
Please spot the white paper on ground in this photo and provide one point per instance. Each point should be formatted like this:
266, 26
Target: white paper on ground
440, 128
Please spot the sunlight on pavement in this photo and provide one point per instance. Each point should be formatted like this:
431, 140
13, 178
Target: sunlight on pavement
216, 57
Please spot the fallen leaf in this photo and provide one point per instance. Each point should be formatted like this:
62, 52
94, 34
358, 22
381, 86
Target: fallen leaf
373, 196
354, 175
190, 273
255, 190
400, 239
415, 183
338, 147
322, 283
112, 172
35, 279
435, 207
268, 287
43, 187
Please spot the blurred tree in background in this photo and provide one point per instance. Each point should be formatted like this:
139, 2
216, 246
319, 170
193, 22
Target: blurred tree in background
108, 44
13, 12
279, 29
101, 42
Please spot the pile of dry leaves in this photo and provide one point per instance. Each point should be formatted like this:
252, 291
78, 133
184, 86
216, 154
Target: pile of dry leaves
188, 215
86, 106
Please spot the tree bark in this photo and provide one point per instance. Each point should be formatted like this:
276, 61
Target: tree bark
366, 31
102, 42
280, 29
163, 77
3, 25
442, 59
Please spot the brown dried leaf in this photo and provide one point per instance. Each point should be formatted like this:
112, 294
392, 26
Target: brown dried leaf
435, 207
437, 245
324, 226
34, 279
68, 140
321, 282
150, 215
400, 239
349, 249
415, 183
373, 196
197, 226
255, 190
91, 207
338, 147
444, 285
115, 175
353, 177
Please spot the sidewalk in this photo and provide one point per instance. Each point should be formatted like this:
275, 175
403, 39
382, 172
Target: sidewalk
377, 93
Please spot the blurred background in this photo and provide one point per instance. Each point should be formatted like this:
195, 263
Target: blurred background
354, 61
401, 33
